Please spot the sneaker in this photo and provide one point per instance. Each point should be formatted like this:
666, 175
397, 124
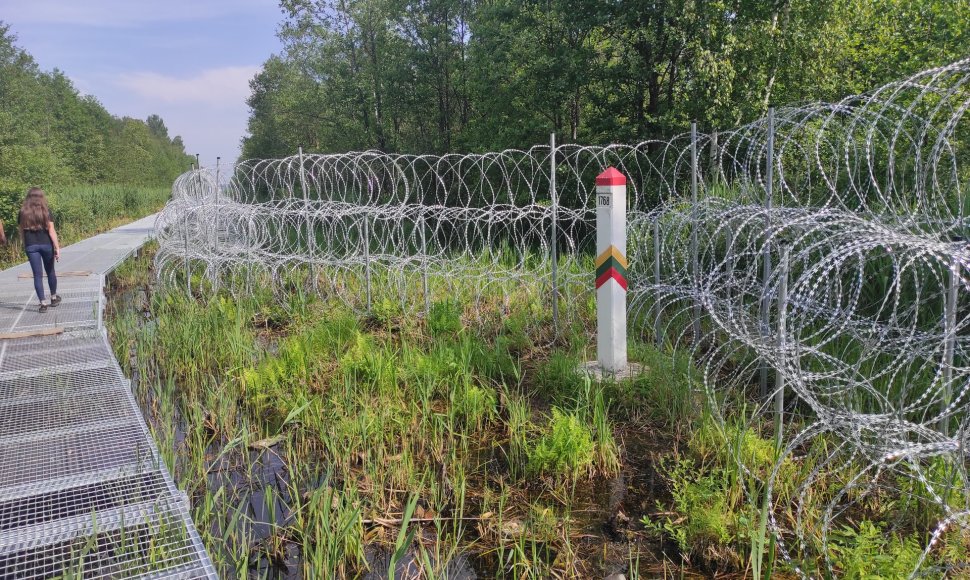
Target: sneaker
55, 300
43, 307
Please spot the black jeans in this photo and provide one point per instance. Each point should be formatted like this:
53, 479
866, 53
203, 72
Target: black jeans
38, 255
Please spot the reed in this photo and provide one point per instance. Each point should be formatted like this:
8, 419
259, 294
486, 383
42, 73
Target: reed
309, 434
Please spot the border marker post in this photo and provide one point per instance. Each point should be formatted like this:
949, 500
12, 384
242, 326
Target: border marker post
611, 268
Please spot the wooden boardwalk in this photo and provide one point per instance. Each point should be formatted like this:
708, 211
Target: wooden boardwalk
83, 490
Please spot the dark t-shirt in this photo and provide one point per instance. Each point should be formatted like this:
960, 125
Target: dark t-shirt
37, 237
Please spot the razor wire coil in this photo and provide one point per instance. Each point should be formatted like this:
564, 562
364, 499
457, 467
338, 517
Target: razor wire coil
866, 227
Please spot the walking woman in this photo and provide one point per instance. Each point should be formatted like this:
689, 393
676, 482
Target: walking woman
40, 243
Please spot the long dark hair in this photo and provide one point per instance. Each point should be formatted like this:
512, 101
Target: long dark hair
34, 213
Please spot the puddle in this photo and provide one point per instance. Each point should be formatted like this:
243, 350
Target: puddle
379, 562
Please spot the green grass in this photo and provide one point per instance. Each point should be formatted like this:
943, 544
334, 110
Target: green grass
82, 211
471, 432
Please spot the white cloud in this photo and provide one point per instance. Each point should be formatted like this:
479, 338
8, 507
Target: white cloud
208, 109
81, 84
218, 86
122, 13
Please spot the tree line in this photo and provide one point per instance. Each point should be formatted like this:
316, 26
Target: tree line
53, 137
423, 76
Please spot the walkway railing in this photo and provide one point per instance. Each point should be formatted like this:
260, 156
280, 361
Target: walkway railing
83, 490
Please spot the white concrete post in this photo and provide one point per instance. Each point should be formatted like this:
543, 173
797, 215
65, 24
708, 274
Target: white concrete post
611, 266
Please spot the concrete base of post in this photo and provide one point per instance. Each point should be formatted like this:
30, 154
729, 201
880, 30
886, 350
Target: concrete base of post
596, 372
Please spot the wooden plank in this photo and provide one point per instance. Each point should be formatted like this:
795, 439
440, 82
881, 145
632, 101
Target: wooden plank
68, 274
30, 333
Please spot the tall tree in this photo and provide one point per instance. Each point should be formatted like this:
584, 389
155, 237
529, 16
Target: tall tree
440, 75
50, 135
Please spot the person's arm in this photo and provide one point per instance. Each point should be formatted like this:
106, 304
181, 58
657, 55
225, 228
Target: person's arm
3, 234
53, 233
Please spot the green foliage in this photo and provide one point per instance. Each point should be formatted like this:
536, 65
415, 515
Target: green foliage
474, 404
707, 519
471, 75
665, 390
52, 137
519, 427
559, 377
201, 338
10, 199
364, 418
495, 361
566, 449
515, 336
362, 358
711, 517
444, 318
274, 388
385, 311
867, 551
724, 447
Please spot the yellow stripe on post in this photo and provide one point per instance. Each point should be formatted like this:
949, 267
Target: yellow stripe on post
615, 254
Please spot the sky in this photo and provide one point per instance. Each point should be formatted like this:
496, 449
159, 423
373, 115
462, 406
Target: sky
189, 61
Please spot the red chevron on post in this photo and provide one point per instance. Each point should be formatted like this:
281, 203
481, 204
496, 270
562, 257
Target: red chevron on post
611, 273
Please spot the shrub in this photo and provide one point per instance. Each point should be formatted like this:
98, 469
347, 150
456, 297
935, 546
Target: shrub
867, 551
566, 449
706, 520
444, 318
474, 404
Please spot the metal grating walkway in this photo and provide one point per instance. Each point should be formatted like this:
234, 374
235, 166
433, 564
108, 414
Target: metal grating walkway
83, 491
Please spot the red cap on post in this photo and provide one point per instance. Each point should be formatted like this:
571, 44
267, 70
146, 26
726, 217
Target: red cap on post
610, 177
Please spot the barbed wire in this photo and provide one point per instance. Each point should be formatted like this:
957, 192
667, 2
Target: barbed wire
830, 249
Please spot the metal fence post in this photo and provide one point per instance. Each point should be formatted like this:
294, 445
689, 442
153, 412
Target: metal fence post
311, 239
950, 327
185, 240
215, 242
695, 262
766, 254
554, 200
367, 248
658, 336
424, 266
202, 198
306, 196
611, 266
715, 167
782, 342
729, 260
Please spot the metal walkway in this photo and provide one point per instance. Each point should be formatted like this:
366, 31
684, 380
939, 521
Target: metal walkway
83, 490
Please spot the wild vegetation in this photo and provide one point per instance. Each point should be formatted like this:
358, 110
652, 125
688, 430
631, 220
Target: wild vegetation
81, 211
318, 439
314, 438
97, 169
484, 75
